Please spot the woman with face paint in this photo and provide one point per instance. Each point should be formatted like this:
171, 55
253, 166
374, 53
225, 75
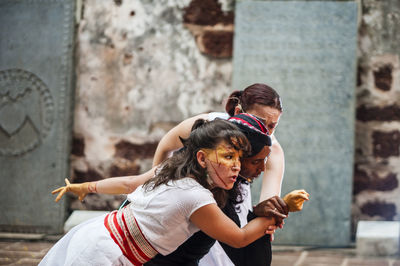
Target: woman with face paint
189, 253
184, 196
257, 99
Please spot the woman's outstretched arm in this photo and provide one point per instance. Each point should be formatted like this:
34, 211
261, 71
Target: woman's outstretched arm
128, 184
212, 221
114, 185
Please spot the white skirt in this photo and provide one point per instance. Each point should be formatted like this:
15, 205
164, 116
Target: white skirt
216, 257
88, 243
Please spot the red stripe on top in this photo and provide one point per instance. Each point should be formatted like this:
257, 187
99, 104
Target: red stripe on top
128, 253
138, 249
143, 234
109, 229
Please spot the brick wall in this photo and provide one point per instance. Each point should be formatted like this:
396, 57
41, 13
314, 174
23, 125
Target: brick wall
142, 68
377, 158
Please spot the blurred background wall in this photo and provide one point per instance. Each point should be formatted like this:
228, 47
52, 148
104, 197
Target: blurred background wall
144, 66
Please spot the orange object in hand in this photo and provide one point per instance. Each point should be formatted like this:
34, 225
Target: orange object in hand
295, 199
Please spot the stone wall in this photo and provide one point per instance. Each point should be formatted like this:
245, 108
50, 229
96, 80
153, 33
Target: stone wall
377, 156
143, 66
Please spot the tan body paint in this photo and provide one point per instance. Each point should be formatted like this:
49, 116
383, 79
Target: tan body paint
223, 157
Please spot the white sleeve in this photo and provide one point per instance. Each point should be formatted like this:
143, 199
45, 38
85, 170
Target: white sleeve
193, 199
213, 115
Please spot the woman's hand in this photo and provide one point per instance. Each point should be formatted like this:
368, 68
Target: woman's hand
271, 229
81, 190
295, 199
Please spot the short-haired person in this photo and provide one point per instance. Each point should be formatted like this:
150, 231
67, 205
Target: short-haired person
180, 199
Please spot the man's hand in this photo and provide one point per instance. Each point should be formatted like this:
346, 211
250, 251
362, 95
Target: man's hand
272, 207
81, 190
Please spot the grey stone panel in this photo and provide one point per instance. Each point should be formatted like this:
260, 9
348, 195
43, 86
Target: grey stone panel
36, 49
306, 50
378, 238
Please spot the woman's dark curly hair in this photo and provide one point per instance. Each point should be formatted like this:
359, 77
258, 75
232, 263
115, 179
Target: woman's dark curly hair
184, 163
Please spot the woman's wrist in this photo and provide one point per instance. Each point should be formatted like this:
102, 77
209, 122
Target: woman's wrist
92, 187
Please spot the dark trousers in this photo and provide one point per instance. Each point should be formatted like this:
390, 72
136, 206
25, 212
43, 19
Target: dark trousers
257, 253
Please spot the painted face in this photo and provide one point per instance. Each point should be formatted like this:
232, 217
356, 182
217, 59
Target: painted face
223, 165
269, 115
253, 166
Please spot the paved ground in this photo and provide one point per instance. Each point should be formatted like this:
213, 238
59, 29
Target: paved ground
22, 252
30, 252
301, 256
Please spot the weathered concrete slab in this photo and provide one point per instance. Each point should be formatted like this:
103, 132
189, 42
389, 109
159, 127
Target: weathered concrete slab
378, 238
36, 42
14, 236
306, 50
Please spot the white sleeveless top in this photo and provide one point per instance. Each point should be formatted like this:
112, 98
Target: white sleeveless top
163, 213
